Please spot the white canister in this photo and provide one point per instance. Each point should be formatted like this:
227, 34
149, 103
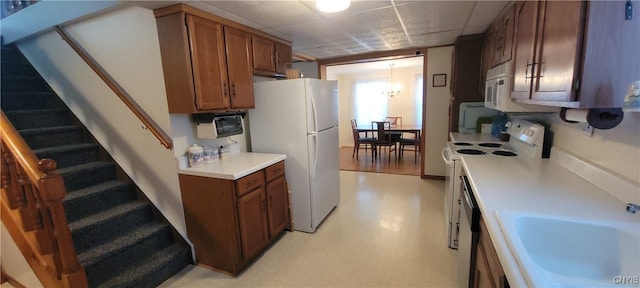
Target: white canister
208, 154
196, 156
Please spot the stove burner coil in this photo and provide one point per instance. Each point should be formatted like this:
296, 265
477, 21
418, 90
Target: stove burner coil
462, 144
504, 153
490, 145
471, 152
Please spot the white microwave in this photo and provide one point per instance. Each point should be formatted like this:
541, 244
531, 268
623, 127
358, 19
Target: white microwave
497, 92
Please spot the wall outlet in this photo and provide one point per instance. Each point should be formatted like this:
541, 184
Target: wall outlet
587, 130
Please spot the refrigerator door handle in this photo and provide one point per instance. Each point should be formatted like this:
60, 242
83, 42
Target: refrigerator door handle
313, 167
313, 111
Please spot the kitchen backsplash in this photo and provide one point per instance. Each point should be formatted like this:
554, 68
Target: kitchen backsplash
616, 149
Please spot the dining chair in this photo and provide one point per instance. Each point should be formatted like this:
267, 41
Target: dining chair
415, 142
383, 138
394, 122
357, 140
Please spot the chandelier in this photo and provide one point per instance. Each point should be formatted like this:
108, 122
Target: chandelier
392, 89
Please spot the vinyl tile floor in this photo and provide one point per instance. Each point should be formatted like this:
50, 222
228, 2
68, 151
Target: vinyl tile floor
387, 231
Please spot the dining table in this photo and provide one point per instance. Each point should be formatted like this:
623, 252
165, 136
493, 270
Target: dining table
405, 128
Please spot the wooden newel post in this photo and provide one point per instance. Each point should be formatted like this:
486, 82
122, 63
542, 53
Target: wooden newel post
71, 273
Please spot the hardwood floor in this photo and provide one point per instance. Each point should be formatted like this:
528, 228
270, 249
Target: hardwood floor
403, 166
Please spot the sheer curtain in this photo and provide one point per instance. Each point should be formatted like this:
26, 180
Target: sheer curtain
418, 98
370, 103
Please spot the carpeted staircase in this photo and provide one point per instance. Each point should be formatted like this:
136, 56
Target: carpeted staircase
118, 242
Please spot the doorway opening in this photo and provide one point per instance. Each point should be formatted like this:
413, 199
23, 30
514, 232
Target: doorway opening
373, 91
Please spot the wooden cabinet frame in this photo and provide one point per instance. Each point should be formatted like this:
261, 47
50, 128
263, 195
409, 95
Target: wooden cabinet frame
231, 222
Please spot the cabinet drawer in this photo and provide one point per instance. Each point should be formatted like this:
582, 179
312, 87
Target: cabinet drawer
274, 171
250, 182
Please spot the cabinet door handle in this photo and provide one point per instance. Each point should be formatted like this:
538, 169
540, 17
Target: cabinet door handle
233, 89
225, 90
526, 70
264, 205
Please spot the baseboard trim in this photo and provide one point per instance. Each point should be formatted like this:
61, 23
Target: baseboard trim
432, 177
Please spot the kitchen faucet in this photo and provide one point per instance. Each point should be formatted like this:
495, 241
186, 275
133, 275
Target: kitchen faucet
633, 208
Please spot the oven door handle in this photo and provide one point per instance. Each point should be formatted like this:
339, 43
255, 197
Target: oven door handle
447, 160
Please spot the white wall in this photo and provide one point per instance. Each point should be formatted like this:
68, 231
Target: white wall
14, 264
616, 149
125, 43
436, 121
402, 105
309, 69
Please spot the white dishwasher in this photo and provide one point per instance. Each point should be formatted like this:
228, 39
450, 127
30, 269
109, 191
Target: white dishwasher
468, 234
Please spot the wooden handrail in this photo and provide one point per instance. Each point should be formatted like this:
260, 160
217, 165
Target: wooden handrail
122, 94
32, 211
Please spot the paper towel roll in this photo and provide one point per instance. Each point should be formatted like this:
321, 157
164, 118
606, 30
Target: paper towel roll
576, 115
600, 118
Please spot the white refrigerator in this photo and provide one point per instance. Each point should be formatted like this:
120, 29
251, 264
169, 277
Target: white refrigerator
299, 118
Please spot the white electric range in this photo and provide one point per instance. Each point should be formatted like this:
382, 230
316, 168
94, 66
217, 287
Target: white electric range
526, 140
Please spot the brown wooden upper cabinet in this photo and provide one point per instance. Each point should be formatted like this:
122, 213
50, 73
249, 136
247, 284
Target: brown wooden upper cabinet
207, 66
284, 57
498, 43
270, 57
504, 36
574, 53
264, 51
239, 67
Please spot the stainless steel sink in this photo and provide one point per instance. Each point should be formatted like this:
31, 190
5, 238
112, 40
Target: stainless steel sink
562, 252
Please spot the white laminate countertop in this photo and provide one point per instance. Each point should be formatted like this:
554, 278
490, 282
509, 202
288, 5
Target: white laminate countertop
231, 166
472, 137
536, 186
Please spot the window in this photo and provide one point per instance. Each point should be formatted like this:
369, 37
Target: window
371, 104
418, 97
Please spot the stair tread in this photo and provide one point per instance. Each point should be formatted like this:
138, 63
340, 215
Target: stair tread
106, 215
49, 129
116, 245
158, 260
36, 111
65, 148
94, 189
90, 165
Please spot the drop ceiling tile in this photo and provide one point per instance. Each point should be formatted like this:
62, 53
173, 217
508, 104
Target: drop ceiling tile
369, 20
269, 13
470, 30
322, 29
436, 15
485, 11
207, 6
437, 39
367, 25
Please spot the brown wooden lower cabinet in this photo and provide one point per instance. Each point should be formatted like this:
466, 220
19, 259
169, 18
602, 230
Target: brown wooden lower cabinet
230, 222
488, 272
